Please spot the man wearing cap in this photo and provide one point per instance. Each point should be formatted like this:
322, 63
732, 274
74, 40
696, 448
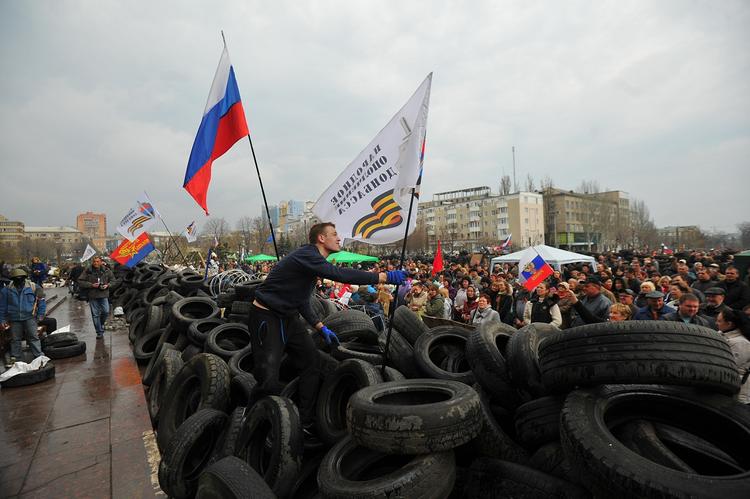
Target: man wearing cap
21, 306
714, 302
687, 312
627, 297
593, 307
714, 272
654, 309
737, 293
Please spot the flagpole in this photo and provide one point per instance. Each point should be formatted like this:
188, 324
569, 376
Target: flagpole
392, 309
263, 191
171, 237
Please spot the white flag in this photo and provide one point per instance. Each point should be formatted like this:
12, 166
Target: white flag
369, 201
139, 219
191, 234
88, 253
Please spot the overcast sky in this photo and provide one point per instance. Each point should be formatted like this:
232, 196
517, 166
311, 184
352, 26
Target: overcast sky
102, 99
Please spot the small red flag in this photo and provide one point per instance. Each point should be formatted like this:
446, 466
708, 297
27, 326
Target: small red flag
437, 263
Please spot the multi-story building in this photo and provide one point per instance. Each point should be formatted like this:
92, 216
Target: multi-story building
10, 231
682, 237
287, 216
93, 226
59, 235
593, 222
475, 217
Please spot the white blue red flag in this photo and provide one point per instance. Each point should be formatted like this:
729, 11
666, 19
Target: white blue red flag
222, 125
139, 219
506, 243
532, 269
191, 233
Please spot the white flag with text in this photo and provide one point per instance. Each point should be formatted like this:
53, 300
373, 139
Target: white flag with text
191, 234
139, 219
369, 201
88, 253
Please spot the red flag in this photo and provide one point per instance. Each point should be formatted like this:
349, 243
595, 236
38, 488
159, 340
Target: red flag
437, 263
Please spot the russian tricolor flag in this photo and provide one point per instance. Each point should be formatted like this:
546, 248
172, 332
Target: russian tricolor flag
532, 269
222, 125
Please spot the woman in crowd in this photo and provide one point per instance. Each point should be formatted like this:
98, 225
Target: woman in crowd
469, 305
619, 312
484, 312
504, 301
447, 303
735, 327
542, 308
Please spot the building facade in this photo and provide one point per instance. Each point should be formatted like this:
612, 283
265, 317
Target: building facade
682, 237
93, 226
10, 231
592, 222
475, 217
67, 236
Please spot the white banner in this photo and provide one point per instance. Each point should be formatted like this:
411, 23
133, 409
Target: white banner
369, 201
191, 233
139, 219
88, 253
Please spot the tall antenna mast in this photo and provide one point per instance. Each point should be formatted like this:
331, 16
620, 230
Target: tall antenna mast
515, 184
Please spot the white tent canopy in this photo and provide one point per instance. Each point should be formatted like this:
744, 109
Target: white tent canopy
553, 256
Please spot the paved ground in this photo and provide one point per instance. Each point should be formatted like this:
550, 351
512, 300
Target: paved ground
85, 433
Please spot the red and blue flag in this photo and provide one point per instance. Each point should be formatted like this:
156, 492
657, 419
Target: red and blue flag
223, 124
130, 253
532, 270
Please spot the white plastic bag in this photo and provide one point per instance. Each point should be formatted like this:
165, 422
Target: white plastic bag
23, 367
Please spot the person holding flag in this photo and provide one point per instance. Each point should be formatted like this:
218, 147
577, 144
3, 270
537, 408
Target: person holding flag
593, 308
273, 321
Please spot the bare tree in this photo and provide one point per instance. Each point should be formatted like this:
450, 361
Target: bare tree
530, 183
589, 187
216, 227
547, 183
642, 226
505, 185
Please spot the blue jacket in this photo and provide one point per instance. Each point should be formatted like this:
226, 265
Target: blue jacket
644, 314
17, 305
41, 268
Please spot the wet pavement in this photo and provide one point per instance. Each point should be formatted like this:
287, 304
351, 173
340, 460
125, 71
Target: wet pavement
85, 433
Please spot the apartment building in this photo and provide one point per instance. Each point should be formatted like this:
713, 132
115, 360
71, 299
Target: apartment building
93, 226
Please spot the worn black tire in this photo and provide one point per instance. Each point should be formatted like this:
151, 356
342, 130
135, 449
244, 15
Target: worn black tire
59, 340
640, 437
485, 351
232, 478
145, 346
153, 364
202, 383
408, 324
279, 465
350, 471
414, 416
31, 377
390, 374
246, 290
136, 324
306, 483
322, 307
493, 440
170, 365
352, 325
188, 310
401, 354
493, 478
550, 458
440, 353
228, 339
241, 363
538, 422
189, 452
241, 390
240, 308
224, 300
333, 397
355, 350
63, 352
653, 352
611, 469
713, 456
231, 437
522, 357
153, 318
198, 331
188, 282
190, 351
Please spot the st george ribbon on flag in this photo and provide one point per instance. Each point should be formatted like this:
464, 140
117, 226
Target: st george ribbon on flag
532, 270
191, 233
139, 219
222, 125
369, 201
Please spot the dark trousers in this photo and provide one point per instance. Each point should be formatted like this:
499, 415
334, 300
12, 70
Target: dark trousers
271, 335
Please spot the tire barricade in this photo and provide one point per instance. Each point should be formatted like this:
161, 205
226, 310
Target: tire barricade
634, 409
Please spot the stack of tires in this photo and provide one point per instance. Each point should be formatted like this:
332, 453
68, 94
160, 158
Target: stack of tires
62, 345
635, 409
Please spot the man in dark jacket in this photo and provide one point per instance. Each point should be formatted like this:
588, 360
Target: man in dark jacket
703, 282
687, 312
273, 324
714, 302
593, 308
96, 280
737, 292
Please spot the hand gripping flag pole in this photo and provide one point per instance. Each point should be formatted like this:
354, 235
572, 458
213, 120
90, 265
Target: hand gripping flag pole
222, 125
